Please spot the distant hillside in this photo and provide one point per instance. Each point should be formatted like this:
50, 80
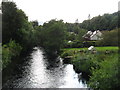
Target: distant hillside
105, 22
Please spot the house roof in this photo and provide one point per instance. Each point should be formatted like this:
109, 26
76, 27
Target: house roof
95, 32
90, 34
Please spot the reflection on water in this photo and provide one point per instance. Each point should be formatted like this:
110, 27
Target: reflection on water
36, 72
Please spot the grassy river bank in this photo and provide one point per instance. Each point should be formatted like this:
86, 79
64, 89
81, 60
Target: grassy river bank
100, 65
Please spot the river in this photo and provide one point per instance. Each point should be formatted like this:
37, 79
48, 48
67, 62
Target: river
36, 72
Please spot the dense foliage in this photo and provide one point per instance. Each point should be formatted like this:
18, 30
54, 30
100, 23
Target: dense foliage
25, 34
17, 32
52, 36
9, 51
105, 77
107, 41
101, 66
20, 35
105, 22
12, 21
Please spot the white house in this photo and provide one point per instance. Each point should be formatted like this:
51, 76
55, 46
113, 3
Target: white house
96, 35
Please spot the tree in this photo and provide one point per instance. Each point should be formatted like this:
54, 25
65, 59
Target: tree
12, 21
110, 38
34, 23
80, 34
9, 12
18, 34
52, 36
17, 27
104, 22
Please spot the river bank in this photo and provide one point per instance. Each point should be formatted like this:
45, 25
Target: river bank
74, 55
14, 64
93, 62
37, 72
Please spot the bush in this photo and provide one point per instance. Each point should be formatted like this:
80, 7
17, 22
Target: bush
105, 77
73, 44
10, 50
15, 48
89, 43
107, 41
6, 56
83, 63
66, 53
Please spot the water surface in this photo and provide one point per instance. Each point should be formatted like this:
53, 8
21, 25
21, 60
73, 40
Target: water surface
36, 72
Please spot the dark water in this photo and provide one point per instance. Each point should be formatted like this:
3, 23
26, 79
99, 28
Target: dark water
36, 72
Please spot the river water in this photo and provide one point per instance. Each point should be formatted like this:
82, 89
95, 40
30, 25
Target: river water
36, 72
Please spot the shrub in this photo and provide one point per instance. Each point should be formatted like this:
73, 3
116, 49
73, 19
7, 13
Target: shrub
83, 63
107, 41
9, 51
67, 53
105, 77
15, 48
74, 44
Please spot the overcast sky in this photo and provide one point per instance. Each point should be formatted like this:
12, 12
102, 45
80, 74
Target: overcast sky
67, 10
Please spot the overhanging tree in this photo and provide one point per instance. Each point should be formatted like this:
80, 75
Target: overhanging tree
52, 36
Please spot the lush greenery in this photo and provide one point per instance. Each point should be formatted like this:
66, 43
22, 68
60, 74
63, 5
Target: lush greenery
97, 48
105, 76
107, 41
10, 50
52, 36
74, 39
101, 65
105, 22
56, 37
18, 33
24, 35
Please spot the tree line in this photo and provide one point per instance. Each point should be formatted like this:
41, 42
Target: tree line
104, 22
20, 35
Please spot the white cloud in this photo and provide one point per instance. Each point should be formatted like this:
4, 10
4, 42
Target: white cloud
68, 10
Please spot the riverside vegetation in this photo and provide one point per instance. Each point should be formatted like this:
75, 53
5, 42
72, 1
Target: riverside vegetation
101, 66
19, 36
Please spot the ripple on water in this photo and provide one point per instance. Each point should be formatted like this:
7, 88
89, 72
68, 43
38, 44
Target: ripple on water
36, 73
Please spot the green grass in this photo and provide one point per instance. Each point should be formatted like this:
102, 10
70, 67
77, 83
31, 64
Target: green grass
97, 48
83, 61
75, 49
100, 66
106, 48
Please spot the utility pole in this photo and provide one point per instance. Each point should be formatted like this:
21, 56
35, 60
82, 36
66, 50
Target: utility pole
77, 25
89, 17
76, 21
89, 22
